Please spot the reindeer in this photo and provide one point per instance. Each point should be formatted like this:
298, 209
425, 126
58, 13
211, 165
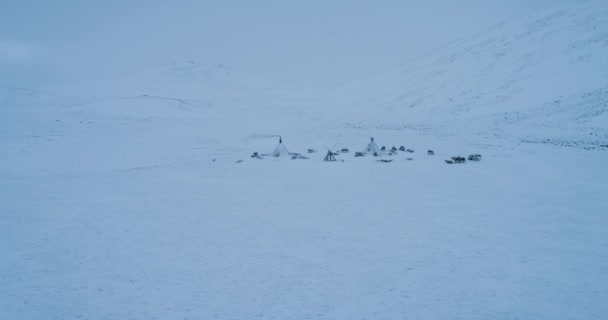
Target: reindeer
459, 159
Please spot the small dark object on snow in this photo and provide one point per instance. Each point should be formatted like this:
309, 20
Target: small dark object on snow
312, 150
430, 152
410, 150
474, 157
383, 148
402, 148
410, 159
359, 154
256, 155
375, 154
213, 160
385, 161
394, 149
239, 161
459, 159
298, 156
449, 161
344, 150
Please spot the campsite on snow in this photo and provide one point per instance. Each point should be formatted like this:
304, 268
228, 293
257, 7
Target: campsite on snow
371, 149
467, 182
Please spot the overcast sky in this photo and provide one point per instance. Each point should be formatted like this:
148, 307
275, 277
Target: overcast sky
305, 42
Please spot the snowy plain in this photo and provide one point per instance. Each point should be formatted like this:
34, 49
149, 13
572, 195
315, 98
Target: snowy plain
126, 200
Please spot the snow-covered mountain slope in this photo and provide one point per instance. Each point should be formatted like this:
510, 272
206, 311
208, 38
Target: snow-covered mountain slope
544, 76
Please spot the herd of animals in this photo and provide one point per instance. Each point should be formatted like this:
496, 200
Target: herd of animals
372, 149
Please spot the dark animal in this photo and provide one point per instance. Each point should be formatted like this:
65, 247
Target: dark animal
383, 148
402, 148
394, 149
474, 157
410, 150
459, 159
430, 152
359, 154
449, 161
312, 150
344, 150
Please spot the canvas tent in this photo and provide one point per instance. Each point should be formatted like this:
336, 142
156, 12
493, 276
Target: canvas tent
280, 150
372, 149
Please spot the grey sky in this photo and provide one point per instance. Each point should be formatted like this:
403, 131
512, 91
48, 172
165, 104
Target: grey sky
300, 42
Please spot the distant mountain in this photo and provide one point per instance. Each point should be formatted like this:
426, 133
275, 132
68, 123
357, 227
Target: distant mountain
189, 79
22, 97
217, 76
183, 80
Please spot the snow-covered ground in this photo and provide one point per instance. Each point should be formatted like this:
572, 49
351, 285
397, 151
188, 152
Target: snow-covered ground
131, 202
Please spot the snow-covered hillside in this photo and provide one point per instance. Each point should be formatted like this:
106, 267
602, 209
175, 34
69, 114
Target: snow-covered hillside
541, 78
138, 198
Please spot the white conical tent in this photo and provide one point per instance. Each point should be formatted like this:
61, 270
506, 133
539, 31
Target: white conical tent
280, 150
372, 148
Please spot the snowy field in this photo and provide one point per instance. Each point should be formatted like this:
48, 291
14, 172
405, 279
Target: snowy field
122, 217
131, 202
